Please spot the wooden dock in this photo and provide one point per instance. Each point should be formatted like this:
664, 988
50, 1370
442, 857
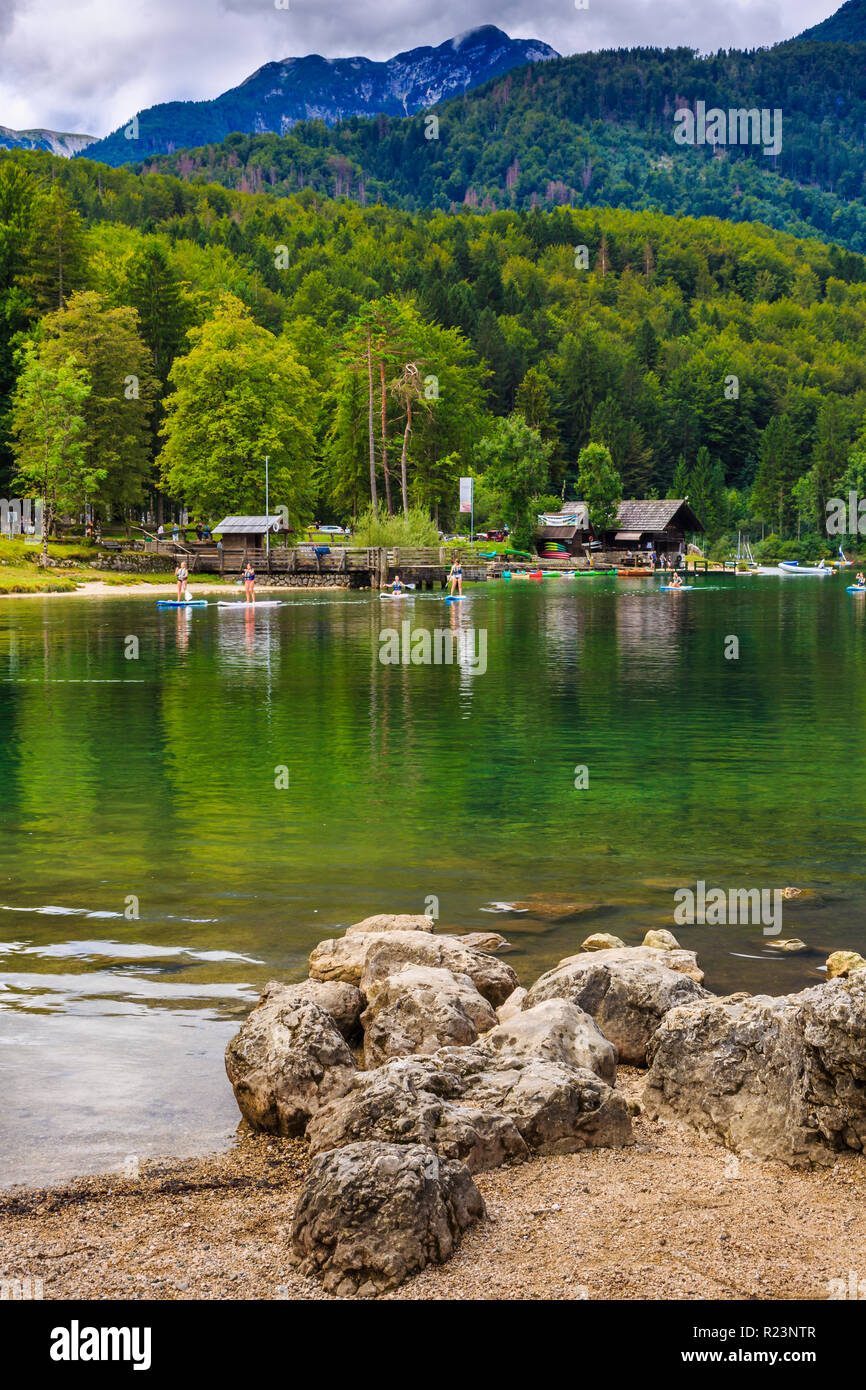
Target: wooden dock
354, 567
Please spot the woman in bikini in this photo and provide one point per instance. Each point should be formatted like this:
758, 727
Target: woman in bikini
249, 583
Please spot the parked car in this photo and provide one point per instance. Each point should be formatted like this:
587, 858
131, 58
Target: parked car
330, 530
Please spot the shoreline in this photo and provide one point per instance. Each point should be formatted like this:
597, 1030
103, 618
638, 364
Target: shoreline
98, 588
675, 1217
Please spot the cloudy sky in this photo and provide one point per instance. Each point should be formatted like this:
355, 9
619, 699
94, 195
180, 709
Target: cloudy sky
88, 65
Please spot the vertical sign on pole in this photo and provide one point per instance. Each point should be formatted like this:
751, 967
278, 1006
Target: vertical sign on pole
467, 502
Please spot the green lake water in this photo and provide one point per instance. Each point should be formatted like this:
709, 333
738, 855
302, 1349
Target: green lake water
156, 779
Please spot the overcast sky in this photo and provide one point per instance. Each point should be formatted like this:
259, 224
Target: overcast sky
89, 65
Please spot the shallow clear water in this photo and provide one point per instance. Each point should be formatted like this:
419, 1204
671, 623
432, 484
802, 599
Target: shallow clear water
155, 779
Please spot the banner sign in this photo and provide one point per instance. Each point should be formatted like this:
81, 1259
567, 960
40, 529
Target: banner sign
466, 498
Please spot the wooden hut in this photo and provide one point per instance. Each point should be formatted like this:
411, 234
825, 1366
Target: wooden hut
245, 537
660, 525
563, 533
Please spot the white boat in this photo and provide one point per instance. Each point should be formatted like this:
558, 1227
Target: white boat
792, 567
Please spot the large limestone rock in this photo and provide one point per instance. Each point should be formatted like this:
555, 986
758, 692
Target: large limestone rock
386, 954
557, 1109
410, 1101
627, 992
367, 958
370, 1215
287, 1059
777, 1078
392, 921
553, 1031
420, 1009
512, 1005
343, 1002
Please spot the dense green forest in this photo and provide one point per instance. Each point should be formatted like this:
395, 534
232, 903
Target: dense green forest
595, 129
187, 330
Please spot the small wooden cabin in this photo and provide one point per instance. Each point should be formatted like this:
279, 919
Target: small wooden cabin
246, 535
660, 525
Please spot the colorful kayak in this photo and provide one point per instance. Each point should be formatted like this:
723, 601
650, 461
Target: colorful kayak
181, 603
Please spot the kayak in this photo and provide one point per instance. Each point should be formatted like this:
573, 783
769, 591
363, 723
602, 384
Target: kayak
674, 588
535, 574
181, 603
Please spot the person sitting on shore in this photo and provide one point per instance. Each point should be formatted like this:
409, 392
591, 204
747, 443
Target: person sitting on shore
182, 576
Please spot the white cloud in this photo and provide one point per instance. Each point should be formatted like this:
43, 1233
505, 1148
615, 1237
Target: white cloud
90, 64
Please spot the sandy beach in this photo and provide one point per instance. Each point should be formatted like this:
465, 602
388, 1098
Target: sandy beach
97, 588
673, 1217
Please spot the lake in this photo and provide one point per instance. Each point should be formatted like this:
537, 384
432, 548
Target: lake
191, 800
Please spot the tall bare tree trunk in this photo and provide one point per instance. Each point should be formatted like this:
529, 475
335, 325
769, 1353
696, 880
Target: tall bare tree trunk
373, 495
385, 440
404, 476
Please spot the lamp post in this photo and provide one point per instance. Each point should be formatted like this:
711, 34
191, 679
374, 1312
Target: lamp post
267, 512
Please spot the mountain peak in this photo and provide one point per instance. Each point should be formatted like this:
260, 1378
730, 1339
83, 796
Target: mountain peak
281, 93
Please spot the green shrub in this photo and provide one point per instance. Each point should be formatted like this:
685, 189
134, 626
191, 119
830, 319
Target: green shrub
384, 530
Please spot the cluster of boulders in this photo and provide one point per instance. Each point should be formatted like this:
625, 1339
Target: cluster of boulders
412, 1060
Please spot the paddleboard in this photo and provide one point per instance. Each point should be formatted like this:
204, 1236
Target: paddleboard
396, 596
674, 588
181, 603
260, 603
454, 598
856, 589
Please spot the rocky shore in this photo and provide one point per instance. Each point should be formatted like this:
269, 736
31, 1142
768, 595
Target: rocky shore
420, 1125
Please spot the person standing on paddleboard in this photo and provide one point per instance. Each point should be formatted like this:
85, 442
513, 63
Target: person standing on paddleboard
455, 577
249, 582
182, 575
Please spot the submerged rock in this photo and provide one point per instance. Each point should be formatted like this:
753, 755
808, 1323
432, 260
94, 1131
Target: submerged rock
420, 1009
372, 1214
791, 946
287, 1059
483, 941
627, 992
778, 1078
